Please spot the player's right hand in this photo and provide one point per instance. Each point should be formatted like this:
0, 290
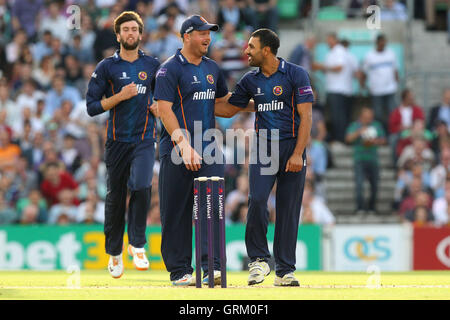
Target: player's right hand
191, 158
129, 91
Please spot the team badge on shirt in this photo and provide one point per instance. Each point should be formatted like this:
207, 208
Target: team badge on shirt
277, 90
210, 78
142, 75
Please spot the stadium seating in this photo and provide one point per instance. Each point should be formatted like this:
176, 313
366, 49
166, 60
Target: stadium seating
288, 9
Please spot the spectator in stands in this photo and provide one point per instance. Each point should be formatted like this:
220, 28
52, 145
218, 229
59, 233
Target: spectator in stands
8, 106
56, 22
441, 209
416, 131
418, 151
5, 23
266, 14
26, 14
393, 10
302, 54
380, 69
164, 43
9, 152
55, 180
145, 11
358, 8
237, 196
29, 214
7, 214
44, 74
76, 50
319, 159
58, 93
366, 134
160, 6
174, 13
105, 38
430, 13
82, 83
313, 209
14, 48
230, 12
228, 52
64, 210
91, 177
28, 96
24, 178
440, 173
339, 75
73, 69
70, 155
406, 175
402, 118
239, 214
92, 210
43, 47
419, 217
441, 139
416, 196
87, 35
33, 198
441, 112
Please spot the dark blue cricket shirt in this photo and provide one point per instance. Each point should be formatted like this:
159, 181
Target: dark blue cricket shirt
131, 120
276, 97
192, 89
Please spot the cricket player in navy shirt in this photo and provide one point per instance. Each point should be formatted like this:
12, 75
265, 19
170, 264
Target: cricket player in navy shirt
187, 88
283, 101
121, 84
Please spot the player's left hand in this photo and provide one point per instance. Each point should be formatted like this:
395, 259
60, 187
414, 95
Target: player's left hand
295, 163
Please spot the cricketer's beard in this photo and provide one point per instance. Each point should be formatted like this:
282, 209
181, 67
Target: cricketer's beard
127, 46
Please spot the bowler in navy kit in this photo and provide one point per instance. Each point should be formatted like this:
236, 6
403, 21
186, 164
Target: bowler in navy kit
283, 100
124, 79
187, 87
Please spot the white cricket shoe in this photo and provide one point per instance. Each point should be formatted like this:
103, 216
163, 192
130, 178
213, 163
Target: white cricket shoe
288, 280
139, 258
115, 266
258, 271
217, 278
186, 280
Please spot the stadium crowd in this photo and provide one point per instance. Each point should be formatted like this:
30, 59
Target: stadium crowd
51, 151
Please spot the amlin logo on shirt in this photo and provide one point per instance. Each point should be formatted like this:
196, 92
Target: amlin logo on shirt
204, 95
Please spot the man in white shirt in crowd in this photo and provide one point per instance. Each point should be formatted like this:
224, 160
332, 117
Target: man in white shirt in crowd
314, 210
339, 70
380, 69
441, 209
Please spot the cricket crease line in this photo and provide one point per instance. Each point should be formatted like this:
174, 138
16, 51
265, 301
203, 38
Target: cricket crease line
235, 287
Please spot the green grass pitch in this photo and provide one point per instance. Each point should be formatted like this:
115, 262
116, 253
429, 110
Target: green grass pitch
155, 285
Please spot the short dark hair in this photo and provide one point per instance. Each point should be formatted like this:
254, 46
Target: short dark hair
268, 38
405, 92
125, 17
381, 36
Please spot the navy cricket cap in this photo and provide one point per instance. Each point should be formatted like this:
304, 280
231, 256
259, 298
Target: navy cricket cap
198, 23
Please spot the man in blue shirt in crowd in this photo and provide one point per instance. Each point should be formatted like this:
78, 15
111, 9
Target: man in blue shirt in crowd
124, 79
283, 99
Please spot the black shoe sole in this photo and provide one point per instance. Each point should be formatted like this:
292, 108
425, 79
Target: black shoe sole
253, 282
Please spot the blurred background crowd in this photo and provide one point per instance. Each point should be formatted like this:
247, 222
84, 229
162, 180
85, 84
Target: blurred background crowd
51, 151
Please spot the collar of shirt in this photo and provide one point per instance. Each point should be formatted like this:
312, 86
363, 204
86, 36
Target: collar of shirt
117, 57
182, 59
281, 66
